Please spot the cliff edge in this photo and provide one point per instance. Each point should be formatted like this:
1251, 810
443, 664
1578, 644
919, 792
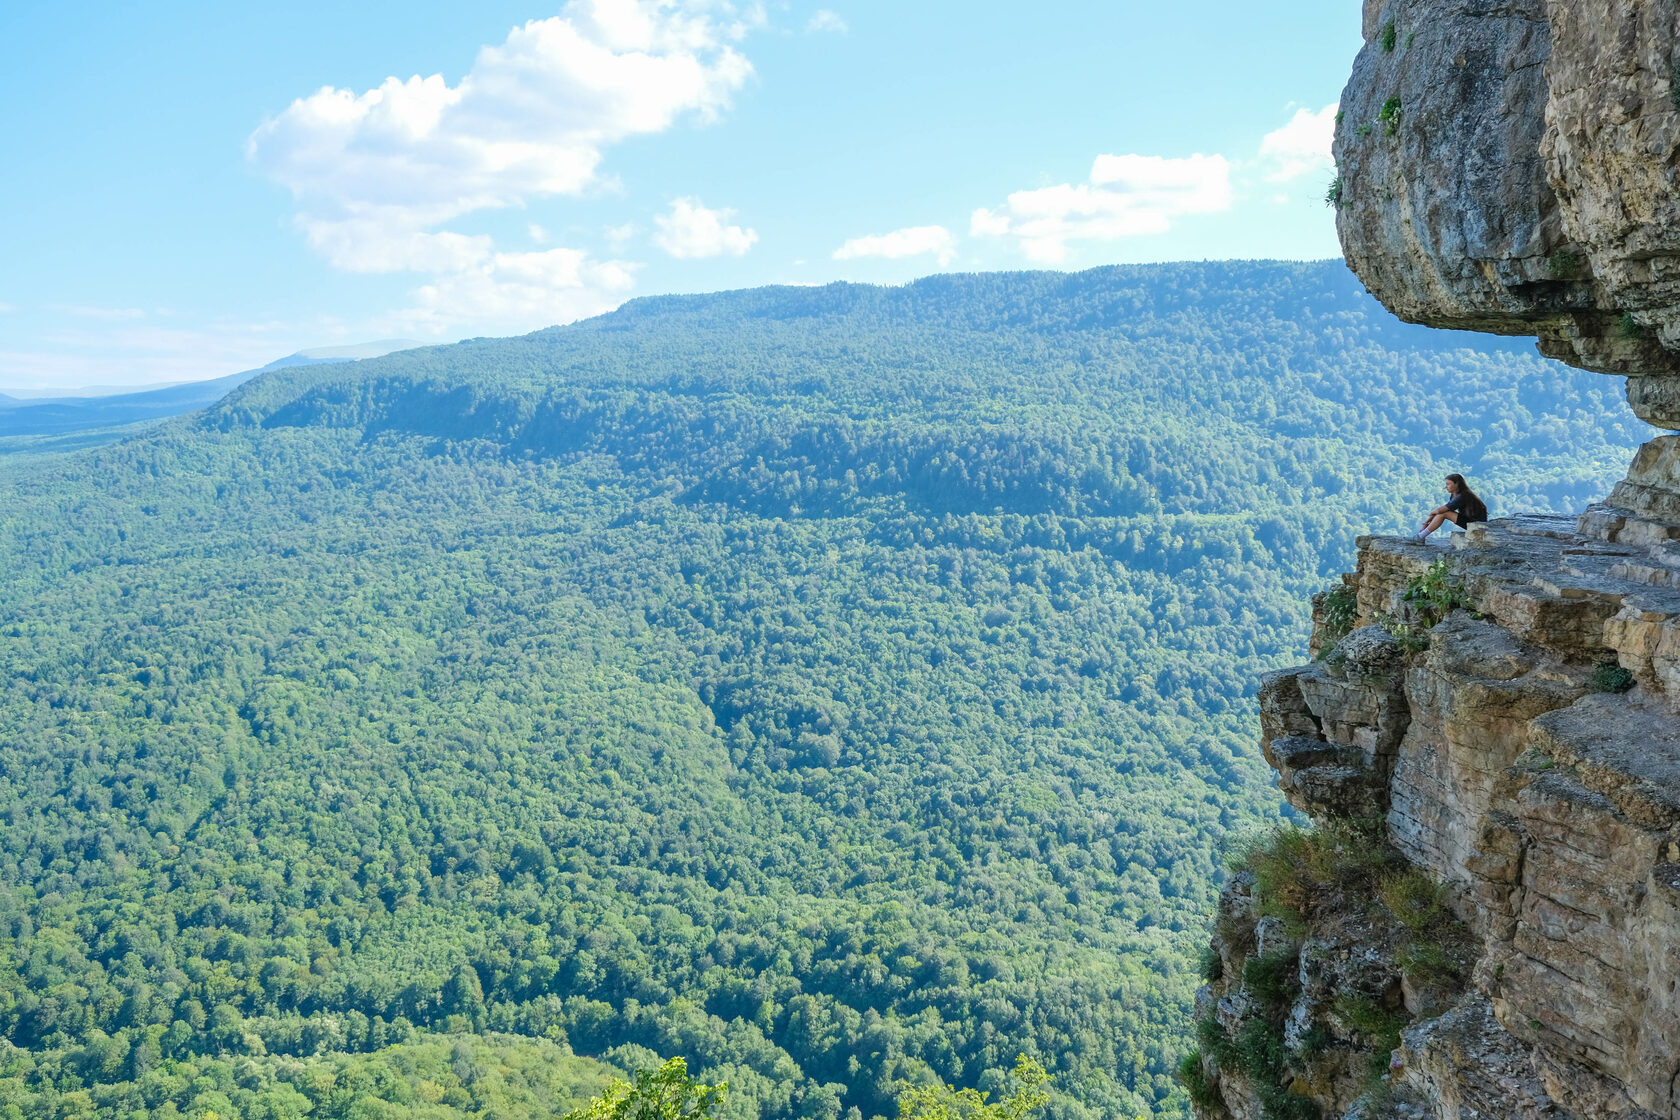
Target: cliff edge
1485, 919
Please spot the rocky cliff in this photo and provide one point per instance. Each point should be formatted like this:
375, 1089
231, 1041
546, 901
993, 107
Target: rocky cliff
1484, 920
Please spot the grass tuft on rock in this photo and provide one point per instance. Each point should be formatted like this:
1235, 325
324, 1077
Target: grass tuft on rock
1193, 1076
1294, 866
1273, 978
1417, 901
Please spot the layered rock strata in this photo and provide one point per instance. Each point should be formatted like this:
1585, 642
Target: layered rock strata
1515, 167
1491, 729
1512, 725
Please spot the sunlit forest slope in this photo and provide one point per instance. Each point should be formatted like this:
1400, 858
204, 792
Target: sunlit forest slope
841, 688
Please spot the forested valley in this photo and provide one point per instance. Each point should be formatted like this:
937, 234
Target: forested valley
842, 688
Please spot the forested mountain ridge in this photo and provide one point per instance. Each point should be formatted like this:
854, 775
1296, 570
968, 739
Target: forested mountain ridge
837, 687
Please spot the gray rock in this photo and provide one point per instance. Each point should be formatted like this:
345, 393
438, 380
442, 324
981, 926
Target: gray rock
1510, 167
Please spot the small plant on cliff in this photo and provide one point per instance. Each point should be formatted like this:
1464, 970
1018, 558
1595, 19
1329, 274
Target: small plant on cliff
1270, 1073
1380, 1026
1362, 131
1674, 84
1211, 967
1341, 610
1333, 193
1564, 265
1630, 328
1389, 37
1293, 866
1411, 639
1437, 592
1193, 1076
1213, 1040
1434, 955
1428, 964
1273, 978
1416, 901
1608, 676
1315, 1040
1278, 1103
1390, 115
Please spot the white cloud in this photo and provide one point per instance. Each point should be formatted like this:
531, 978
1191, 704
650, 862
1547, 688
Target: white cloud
824, 20
1126, 196
375, 174
7, 308
537, 234
1300, 147
619, 236
690, 231
900, 243
553, 286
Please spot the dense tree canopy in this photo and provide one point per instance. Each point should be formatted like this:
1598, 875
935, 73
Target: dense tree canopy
843, 689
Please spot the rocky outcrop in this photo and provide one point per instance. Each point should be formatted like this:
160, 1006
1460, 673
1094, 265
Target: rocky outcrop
1515, 167
1486, 920
1504, 715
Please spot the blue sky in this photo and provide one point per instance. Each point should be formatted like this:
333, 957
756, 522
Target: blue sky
194, 190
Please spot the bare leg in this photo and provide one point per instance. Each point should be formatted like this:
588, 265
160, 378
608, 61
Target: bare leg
1435, 522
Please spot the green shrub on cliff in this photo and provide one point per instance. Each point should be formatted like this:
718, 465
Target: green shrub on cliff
1341, 611
1193, 1076
1437, 592
1296, 868
1564, 265
1390, 115
1608, 676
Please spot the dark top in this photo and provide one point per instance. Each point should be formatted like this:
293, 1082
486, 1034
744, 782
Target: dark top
1459, 505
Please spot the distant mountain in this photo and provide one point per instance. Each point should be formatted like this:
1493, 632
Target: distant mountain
54, 415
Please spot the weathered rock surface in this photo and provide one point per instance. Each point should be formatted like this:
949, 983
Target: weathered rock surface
1510, 761
1511, 167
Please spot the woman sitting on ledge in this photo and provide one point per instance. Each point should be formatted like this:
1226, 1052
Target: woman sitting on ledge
1463, 508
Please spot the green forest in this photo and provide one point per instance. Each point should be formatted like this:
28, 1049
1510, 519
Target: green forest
846, 689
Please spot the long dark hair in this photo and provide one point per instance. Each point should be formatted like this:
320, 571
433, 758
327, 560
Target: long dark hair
1474, 508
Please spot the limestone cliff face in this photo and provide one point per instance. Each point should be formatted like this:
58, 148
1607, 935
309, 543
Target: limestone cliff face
1510, 729
1486, 922
1515, 167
